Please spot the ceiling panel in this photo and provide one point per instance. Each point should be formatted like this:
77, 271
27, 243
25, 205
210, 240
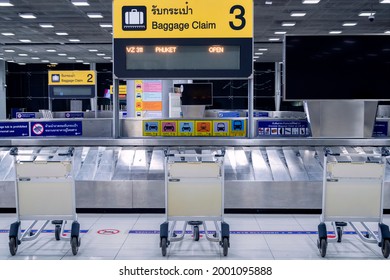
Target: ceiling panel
65, 17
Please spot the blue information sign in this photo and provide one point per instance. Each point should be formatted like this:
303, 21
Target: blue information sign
380, 129
25, 115
72, 115
231, 114
280, 128
8, 129
67, 128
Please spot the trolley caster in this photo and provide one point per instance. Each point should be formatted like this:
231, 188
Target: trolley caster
322, 241
75, 240
339, 228
225, 233
385, 242
225, 246
13, 238
195, 228
57, 229
196, 233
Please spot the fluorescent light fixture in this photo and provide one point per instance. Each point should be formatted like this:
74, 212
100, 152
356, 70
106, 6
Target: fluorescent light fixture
35, 58
101, 54
22, 54
93, 50
46, 25
288, 23
298, 14
335, 32
258, 53
45, 61
262, 49
62, 54
71, 57
25, 40
51, 50
74, 40
27, 15
22, 63
107, 57
94, 15
268, 2
387, 32
349, 23
11, 61
62, 33
79, 61
9, 51
385, 2
5, 3
7, 34
53, 63
1, 58
86, 63
280, 32
105, 25
256, 57
273, 39
366, 14
80, 3
311, 1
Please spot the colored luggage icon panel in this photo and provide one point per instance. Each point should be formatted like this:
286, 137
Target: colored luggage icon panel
169, 128
186, 128
221, 128
203, 128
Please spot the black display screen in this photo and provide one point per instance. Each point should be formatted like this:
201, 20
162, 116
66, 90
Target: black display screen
196, 93
337, 67
66, 92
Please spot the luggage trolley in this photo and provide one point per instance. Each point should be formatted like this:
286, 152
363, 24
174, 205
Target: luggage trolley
353, 192
44, 190
194, 193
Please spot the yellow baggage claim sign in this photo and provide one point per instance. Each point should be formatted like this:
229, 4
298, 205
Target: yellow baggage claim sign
72, 84
178, 38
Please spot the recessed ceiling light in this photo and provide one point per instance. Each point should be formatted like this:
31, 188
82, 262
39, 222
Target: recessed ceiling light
86, 63
25, 40
385, 2
22, 63
280, 32
27, 15
256, 57
288, 23
51, 50
5, 3
22, 54
268, 2
53, 63
62, 33
71, 57
74, 40
105, 25
311, 1
94, 15
366, 14
46, 25
259, 53
335, 32
35, 58
93, 50
9, 51
11, 61
101, 54
45, 61
62, 54
298, 14
7, 34
79, 60
263, 49
107, 57
387, 32
349, 23
80, 3
273, 39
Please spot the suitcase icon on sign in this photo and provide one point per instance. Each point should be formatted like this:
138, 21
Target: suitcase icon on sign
134, 17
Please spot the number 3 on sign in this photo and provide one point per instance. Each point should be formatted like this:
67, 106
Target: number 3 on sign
240, 24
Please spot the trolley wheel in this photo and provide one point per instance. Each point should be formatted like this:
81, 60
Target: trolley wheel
164, 245
322, 245
74, 243
13, 245
57, 232
339, 234
196, 233
386, 248
225, 246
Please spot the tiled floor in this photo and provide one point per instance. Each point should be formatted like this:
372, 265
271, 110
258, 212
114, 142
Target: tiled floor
253, 237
